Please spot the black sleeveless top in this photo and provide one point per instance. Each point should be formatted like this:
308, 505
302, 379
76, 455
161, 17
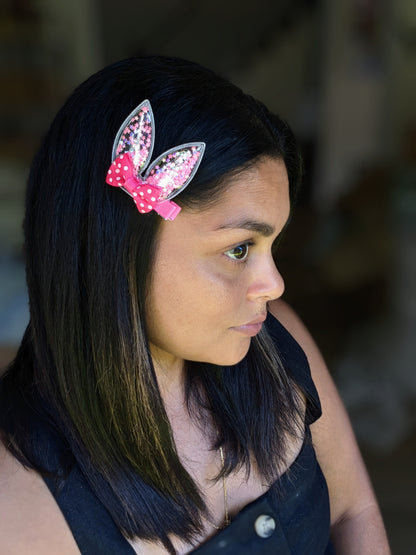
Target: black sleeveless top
291, 519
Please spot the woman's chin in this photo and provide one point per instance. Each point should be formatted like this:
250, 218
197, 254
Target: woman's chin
231, 357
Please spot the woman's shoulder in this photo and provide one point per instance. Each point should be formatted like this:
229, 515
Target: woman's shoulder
287, 331
296, 328
293, 338
292, 341
289, 319
30, 520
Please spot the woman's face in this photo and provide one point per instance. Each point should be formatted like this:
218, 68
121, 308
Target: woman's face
214, 272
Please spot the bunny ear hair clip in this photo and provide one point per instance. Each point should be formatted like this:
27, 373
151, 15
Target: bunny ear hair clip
164, 178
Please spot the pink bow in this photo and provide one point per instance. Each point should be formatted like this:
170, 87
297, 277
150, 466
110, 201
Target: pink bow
147, 197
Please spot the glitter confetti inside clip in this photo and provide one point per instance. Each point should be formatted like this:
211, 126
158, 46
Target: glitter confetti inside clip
165, 178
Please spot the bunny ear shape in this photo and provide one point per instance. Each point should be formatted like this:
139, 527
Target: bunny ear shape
164, 178
136, 136
174, 169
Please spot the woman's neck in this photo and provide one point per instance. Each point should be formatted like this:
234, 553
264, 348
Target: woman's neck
170, 374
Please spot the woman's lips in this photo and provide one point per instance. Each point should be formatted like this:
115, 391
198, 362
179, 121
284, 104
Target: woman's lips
251, 328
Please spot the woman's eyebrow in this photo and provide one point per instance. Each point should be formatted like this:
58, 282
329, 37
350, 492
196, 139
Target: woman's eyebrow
252, 225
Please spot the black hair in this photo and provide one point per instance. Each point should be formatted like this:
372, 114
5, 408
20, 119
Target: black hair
84, 368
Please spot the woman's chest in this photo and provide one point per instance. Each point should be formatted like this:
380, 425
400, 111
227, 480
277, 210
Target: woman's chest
224, 498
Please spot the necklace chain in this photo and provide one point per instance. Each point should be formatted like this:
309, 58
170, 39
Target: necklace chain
224, 488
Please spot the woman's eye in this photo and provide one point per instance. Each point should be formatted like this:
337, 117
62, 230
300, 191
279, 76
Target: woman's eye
238, 253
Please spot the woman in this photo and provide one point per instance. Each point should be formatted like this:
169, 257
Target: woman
161, 400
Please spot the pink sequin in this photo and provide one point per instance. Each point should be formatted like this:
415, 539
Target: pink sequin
135, 138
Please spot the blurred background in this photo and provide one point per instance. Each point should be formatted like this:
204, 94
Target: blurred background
343, 74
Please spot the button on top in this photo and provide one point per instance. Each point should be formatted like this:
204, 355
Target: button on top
264, 526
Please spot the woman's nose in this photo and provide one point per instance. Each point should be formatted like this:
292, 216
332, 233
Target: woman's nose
267, 283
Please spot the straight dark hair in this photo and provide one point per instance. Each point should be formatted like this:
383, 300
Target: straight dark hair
84, 370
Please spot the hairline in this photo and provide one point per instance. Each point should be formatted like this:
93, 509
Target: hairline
228, 179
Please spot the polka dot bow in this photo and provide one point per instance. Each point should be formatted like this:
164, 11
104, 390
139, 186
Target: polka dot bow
166, 177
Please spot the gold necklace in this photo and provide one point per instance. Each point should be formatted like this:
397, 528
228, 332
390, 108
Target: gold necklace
224, 487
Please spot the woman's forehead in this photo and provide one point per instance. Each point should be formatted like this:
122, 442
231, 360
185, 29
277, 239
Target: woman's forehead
257, 199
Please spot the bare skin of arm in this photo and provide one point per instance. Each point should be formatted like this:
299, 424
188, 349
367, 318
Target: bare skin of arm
356, 522
30, 520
